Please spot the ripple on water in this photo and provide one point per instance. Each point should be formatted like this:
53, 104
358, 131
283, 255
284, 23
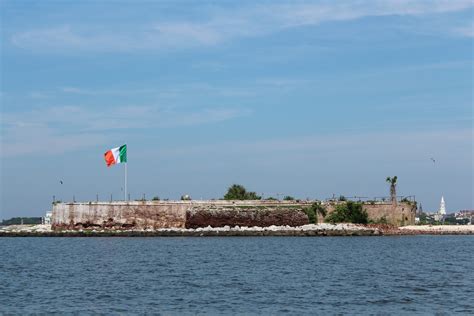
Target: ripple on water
375, 275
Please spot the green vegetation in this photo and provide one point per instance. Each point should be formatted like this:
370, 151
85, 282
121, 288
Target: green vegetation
271, 198
288, 198
238, 192
424, 219
18, 221
451, 220
185, 197
382, 220
409, 202
342, 198
393, 188
349, 212
155, 198
314, 210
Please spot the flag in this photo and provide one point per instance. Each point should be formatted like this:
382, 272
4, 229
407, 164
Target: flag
116, 155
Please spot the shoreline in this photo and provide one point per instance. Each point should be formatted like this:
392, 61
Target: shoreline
312, 230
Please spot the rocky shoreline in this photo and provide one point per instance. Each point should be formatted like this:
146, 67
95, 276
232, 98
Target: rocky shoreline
299, 231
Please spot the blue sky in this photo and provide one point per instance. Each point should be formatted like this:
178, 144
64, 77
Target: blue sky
305, 98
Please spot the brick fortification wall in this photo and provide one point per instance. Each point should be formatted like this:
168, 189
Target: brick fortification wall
193, 214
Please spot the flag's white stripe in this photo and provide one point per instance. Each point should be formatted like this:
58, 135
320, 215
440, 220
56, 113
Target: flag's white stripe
116, 153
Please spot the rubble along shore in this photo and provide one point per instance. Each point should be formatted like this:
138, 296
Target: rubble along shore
299, 231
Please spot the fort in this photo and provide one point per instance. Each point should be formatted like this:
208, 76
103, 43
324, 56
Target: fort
139, 215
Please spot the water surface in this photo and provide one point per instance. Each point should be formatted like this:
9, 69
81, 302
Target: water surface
238, 275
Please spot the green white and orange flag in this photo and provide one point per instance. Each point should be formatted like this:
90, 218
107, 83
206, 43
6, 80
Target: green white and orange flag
116, 155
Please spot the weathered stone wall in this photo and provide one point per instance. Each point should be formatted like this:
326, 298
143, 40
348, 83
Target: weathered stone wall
193, 214
119, 215
401, 215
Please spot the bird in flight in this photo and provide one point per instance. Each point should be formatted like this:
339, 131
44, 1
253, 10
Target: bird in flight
61, 181
433, 160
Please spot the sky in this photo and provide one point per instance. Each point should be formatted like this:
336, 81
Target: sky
301, 98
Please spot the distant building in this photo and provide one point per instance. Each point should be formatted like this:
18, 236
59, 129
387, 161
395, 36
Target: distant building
442, 207
47, 218
441, 214
467, 215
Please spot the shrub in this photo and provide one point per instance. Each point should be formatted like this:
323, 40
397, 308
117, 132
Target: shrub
342, 198
155, 198
311, 215
288, 198
382, 220
314, 210
349, 212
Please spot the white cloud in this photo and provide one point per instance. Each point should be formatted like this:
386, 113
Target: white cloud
176, 33
421, 144
66, 128
36, 139
114, 91
224, 25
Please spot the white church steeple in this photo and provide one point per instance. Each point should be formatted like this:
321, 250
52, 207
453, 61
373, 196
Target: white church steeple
442, 207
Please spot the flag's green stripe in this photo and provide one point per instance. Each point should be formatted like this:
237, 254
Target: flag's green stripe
123, 153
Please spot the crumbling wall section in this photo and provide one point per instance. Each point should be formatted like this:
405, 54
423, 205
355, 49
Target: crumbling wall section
246, 216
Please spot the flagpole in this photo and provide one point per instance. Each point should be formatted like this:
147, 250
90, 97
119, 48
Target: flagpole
125, 197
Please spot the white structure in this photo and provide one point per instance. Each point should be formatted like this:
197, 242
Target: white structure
442, 207
47, 218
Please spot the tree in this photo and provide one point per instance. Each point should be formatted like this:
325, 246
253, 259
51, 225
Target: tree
288, 198
349, 212
238, 192
185, 197
393, 189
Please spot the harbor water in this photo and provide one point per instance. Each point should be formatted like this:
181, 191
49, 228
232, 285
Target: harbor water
238, 275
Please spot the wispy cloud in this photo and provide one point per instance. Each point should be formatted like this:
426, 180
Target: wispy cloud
164, 92
368, 148
224, 25
116, 91
465, 31
67, 128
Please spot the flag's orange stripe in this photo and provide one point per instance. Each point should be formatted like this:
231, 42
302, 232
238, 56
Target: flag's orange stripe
109, 158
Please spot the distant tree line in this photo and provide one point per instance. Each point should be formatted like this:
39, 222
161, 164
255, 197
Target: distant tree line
18, 221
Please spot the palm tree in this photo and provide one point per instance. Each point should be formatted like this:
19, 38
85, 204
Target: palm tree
393, 189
